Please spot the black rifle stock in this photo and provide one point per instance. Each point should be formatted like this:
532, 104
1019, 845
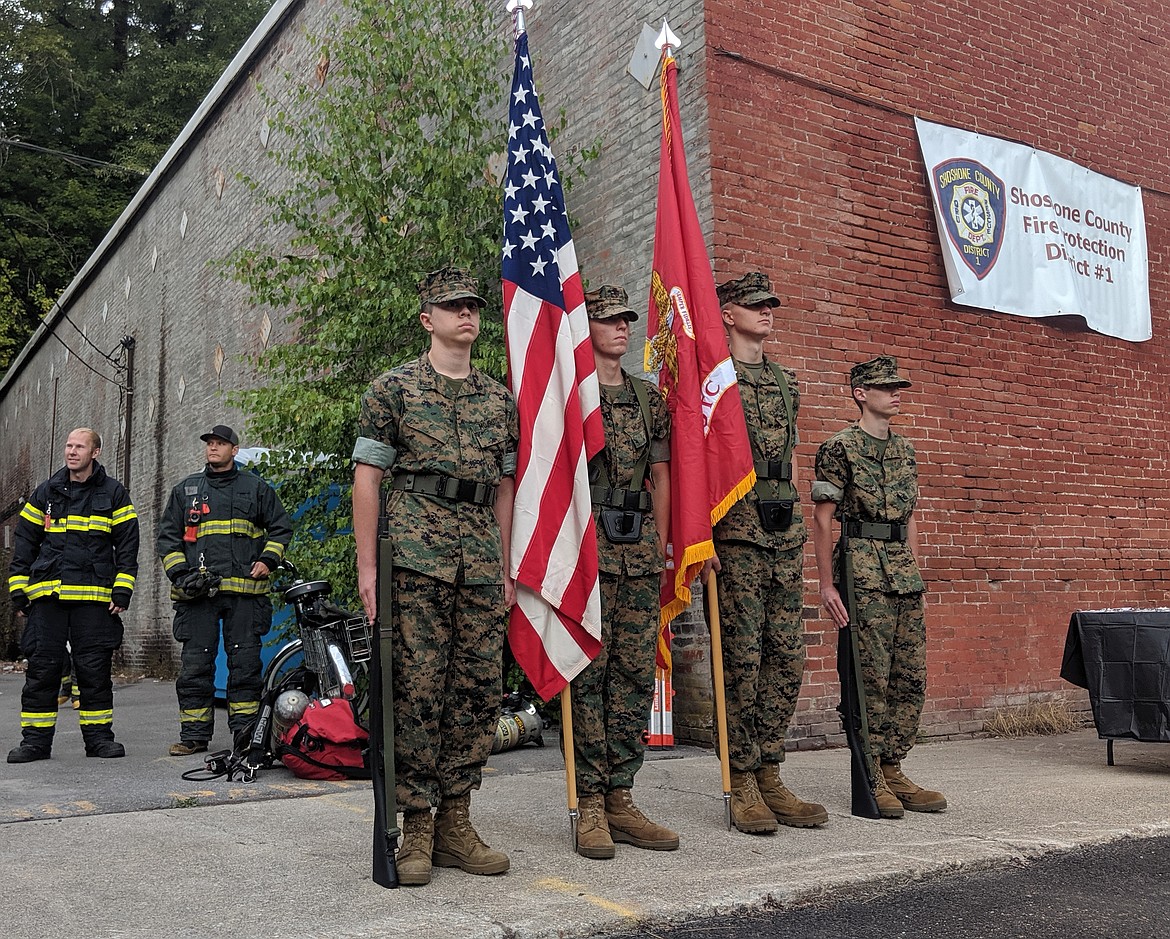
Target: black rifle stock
852, 707
382, 722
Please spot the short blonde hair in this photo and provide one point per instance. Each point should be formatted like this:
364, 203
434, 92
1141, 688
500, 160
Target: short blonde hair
95, 438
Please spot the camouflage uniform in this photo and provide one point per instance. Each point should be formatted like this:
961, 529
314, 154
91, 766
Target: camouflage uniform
873, 480
761, 592
449, 617
612, 696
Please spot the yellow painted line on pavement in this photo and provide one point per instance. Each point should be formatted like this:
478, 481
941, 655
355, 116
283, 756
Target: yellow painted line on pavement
366, 810
299, 787
564, 886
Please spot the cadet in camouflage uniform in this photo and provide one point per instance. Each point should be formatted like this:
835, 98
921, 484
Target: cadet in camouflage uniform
867, 478
612, 696
759, 554
445, 437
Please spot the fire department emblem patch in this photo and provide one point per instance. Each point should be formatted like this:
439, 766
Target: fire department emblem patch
973, 201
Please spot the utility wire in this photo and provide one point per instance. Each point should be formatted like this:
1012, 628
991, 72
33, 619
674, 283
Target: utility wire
73, 158
112, 381
105, 355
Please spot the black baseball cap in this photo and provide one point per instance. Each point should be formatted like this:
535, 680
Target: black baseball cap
223, 432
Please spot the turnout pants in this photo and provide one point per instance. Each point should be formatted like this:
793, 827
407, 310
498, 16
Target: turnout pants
612, 696
448, 685
93, 634
244, 619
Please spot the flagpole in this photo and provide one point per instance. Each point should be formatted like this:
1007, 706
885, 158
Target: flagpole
517, 8
712, 593
570, 761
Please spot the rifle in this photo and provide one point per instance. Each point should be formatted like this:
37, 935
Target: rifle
852, 707
382, 720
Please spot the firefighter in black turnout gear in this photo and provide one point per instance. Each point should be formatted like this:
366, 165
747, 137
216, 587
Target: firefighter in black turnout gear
72, 571
221, 536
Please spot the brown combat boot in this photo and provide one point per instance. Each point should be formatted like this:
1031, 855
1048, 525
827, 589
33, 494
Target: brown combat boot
889, 806
748, 812
910, 794
457, 843
593, 835
627, 824
788, 807
414, 854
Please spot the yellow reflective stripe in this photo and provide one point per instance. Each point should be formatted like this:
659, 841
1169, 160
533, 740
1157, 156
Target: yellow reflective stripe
194, 715
95, 717
234, 526
124, 580
30, 513
18, 581
244, 585
274, 548
81, 523
45, 588
86, 592
38, 718
89, 593
124, 514
173, 560
243, 707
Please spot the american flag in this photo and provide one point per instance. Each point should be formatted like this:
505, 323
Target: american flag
555, 629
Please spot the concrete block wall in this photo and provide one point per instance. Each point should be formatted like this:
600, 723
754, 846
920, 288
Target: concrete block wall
1042, 445
160, 284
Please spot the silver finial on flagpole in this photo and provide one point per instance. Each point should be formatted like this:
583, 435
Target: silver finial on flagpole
666, 39
517, 8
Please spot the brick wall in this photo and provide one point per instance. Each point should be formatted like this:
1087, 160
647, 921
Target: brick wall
1042, 445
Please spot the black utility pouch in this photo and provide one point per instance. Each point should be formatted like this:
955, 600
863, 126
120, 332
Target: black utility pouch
621, 527
775, 514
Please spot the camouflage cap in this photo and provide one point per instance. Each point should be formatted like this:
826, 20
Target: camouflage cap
447, 284
608, 301
880, 371
754, 287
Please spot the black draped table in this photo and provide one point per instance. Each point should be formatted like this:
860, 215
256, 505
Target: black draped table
1123, 658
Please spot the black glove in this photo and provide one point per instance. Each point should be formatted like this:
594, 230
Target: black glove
120, 598
19, 600
201, 583
192, 583
178, 574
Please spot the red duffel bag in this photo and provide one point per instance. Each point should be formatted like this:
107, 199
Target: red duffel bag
327, 742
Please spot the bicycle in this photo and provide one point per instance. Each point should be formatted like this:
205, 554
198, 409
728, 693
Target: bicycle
328, 658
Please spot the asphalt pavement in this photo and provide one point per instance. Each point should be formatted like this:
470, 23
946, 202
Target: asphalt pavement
127, 848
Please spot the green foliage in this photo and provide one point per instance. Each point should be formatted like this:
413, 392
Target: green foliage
14, 312
112, 81
390, 165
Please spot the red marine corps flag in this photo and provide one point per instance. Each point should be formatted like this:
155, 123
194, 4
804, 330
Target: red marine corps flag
555, 629
711, 456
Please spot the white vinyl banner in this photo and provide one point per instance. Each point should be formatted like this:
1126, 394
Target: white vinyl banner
1029, 233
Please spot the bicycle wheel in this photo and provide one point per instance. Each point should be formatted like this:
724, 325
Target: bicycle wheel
287, 670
